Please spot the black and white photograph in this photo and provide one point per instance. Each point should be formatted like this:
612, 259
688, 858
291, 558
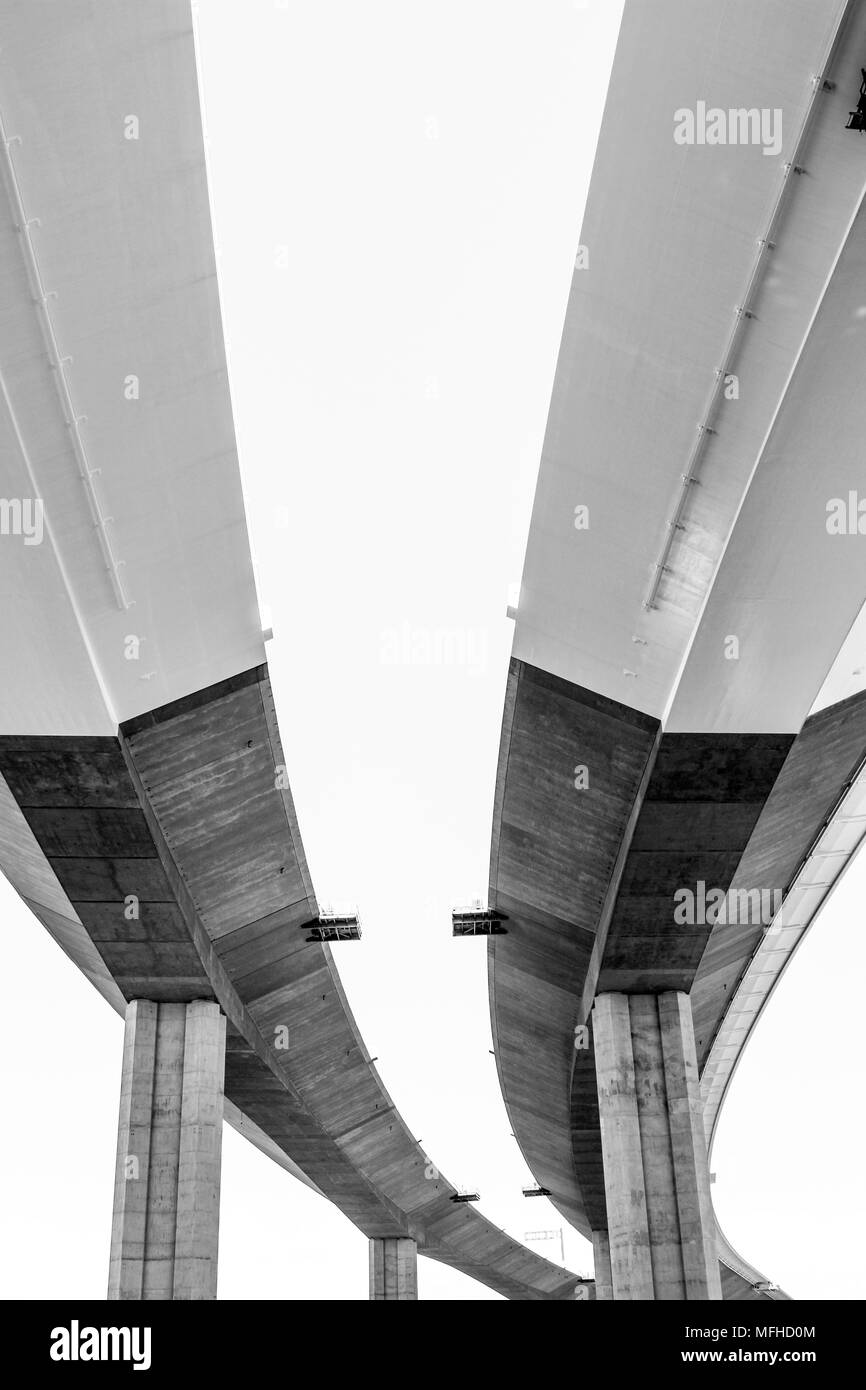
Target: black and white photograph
432, 670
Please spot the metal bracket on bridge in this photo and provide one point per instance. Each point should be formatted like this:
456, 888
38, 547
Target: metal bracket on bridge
857, 119
334, 926
478, 921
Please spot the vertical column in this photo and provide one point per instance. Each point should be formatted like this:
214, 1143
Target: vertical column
166, 1195
627, 1225
393, 1268
601, 1257
660, 1221
158, 1168
200, 1159
691, 1162
126, 1263
655, 1144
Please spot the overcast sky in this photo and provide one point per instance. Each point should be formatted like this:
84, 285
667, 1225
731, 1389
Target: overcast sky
398, 191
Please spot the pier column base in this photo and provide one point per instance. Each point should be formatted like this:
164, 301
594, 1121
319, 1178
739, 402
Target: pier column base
393, 1268
661, 1228
165, 1231
601, 1257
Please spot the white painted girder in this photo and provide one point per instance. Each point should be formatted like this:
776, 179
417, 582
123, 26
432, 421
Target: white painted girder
142, 496
672, 236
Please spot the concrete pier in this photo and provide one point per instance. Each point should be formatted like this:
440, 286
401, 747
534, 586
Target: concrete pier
661, 1230
393, 1269
165, 1230
601, 1259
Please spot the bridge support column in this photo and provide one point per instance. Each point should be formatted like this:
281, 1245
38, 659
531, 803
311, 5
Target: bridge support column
393, 1269
601, 1254
657, 1183
165, 1230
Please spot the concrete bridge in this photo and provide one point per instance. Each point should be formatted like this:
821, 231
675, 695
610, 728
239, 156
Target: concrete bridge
146, 816
685, 711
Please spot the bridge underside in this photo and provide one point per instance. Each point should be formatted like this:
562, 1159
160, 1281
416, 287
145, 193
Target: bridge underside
167, 862
609, 837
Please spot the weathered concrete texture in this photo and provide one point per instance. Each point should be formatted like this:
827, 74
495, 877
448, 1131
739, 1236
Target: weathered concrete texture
587, 878
393, 1269
688, 1145
660, 1223
165, 1231
628, 1229
188, 881
601, 1255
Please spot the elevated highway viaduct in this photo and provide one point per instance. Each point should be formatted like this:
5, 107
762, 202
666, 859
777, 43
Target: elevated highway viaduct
145, 811
685, 714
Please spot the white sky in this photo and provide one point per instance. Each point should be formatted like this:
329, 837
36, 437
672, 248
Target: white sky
398, 191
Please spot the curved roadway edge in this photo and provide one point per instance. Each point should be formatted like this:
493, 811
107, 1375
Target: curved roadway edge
564, 869
825, 863
190, 812
754, 271
28, 872
109, 243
